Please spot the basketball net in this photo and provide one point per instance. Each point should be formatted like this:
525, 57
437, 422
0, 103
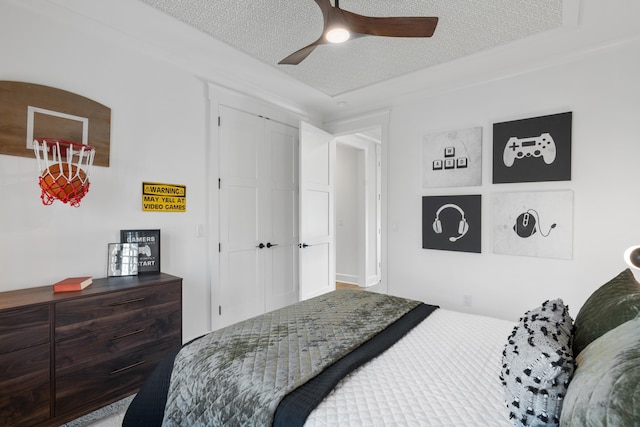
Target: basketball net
65, 168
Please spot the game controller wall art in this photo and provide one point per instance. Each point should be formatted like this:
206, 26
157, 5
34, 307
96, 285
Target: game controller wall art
536, 224
533, 149
452, 223
148, 248
452, 158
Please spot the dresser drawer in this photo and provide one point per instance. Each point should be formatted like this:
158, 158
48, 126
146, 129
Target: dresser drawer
107, 344
25, 391
108, 379
24, 327
111, 311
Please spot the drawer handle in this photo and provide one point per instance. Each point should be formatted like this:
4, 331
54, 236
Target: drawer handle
127, 334
129, 301
126, 368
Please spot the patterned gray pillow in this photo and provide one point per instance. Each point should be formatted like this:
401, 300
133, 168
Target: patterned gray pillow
537, 365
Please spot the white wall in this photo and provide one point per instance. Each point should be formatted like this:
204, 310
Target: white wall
602, 90
158, 134
347, 197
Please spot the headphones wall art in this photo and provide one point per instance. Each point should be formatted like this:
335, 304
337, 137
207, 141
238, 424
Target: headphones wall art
463, 225
452, 223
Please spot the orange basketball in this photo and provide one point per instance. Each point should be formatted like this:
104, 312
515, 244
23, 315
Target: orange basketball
56, 183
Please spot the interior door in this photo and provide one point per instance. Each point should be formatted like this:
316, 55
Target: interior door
317, 244
242, 291
280, 228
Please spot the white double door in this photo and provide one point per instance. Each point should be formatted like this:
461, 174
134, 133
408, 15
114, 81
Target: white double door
258, 215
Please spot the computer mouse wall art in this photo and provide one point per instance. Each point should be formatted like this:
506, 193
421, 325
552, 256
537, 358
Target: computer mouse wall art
527, 224
533, 223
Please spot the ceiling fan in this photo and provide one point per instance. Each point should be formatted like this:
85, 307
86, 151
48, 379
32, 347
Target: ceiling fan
341, 25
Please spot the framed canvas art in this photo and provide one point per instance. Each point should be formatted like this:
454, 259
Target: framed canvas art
533, 149
452, 223
538, 224
452, 158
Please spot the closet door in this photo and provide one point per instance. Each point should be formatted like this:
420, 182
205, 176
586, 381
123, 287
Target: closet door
280, 230
241, 139
258, 215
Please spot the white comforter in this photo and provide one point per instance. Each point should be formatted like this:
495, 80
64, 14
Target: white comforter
445, 372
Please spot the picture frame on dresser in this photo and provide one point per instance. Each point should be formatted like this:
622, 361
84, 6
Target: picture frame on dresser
148, 248
122, 259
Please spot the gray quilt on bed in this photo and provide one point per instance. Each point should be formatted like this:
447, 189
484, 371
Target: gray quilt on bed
238, 375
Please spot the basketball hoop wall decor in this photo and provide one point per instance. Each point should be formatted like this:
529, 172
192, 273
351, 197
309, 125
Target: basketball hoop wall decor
67, 132
64, 168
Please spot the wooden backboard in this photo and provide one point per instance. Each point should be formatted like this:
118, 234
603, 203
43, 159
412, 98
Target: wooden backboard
29, 111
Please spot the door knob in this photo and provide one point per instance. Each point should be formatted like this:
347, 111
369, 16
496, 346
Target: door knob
261, 245
302, 245
269, 244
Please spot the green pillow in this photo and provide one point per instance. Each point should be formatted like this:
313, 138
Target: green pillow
605, 389
611, 305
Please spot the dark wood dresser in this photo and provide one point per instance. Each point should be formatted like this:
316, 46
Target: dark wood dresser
66, 354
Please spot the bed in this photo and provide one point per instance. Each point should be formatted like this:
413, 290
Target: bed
366, 359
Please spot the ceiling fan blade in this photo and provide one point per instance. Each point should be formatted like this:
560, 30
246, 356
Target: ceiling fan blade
397, 26
298, 56
325, 7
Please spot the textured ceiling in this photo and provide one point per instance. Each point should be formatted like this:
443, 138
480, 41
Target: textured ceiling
269, 30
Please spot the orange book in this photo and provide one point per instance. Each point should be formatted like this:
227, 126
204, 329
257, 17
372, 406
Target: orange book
72, 284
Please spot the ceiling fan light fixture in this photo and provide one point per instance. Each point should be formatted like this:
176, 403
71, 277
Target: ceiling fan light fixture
337, 35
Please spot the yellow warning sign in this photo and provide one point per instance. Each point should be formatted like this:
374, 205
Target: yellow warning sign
158, 197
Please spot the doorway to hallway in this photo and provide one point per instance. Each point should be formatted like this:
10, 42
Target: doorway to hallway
358, 208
